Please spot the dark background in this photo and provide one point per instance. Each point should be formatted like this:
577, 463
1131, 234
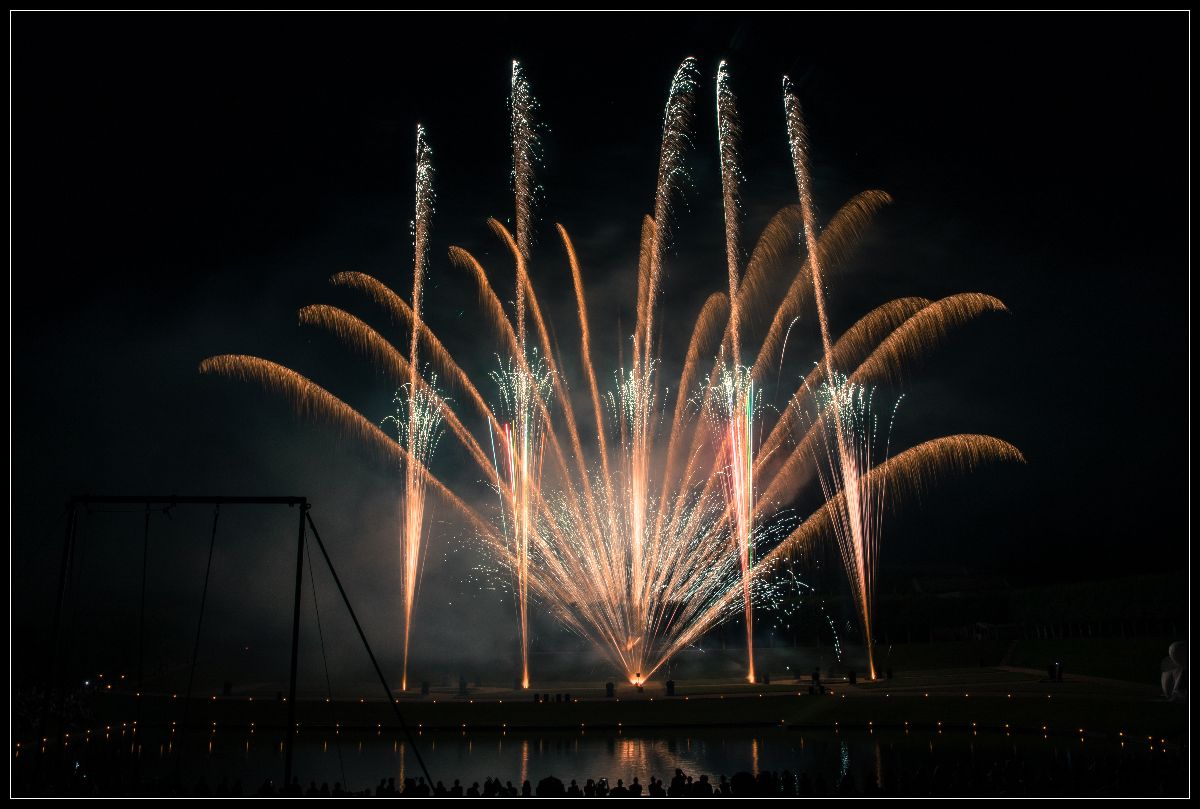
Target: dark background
182, 184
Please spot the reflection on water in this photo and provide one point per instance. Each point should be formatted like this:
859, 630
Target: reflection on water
359, 761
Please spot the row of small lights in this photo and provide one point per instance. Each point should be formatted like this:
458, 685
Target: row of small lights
132, 726
504, 726
500, 701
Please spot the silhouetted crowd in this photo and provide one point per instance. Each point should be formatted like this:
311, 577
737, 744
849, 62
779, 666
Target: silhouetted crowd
1142, 774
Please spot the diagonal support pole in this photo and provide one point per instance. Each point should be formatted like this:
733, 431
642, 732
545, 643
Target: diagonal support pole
387, 689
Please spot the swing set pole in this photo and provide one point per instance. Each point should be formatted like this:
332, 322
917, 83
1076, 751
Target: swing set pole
73, 505
291, 725
52, 657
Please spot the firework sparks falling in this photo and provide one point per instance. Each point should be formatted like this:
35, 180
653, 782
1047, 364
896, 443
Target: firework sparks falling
669, 518
847, 421
677, 120
909, 474
849, 469
732, 405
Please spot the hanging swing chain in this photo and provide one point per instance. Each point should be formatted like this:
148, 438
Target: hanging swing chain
212, 542
328, 682
75, 585
142, 609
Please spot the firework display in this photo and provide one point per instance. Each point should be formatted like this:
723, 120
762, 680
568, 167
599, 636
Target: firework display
668, 520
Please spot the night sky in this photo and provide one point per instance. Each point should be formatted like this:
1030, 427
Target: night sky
182, 184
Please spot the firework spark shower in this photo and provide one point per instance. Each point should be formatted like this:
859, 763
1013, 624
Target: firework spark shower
667, 520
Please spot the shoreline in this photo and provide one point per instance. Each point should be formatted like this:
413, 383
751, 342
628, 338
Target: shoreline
964, 699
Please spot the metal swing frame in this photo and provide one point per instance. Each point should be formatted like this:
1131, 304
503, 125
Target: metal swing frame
73, 506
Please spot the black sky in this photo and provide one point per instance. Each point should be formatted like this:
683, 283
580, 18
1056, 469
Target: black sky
182, 184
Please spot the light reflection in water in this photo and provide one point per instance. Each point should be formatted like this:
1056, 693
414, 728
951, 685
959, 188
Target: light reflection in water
862, 756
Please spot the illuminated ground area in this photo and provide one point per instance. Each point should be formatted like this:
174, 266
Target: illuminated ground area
991, 697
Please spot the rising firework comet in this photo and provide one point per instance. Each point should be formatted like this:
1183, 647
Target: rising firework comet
523, 131
663, 524
736, 391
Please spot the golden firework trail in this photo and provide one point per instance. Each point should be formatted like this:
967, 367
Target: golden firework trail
418, 416
647, 522
524, 142
639, 388
732, 407
731, 175
735, 394
522, 106
910, 474
521, 386
672, 171
418, 423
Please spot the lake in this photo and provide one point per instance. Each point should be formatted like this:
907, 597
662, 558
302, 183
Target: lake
360, 760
